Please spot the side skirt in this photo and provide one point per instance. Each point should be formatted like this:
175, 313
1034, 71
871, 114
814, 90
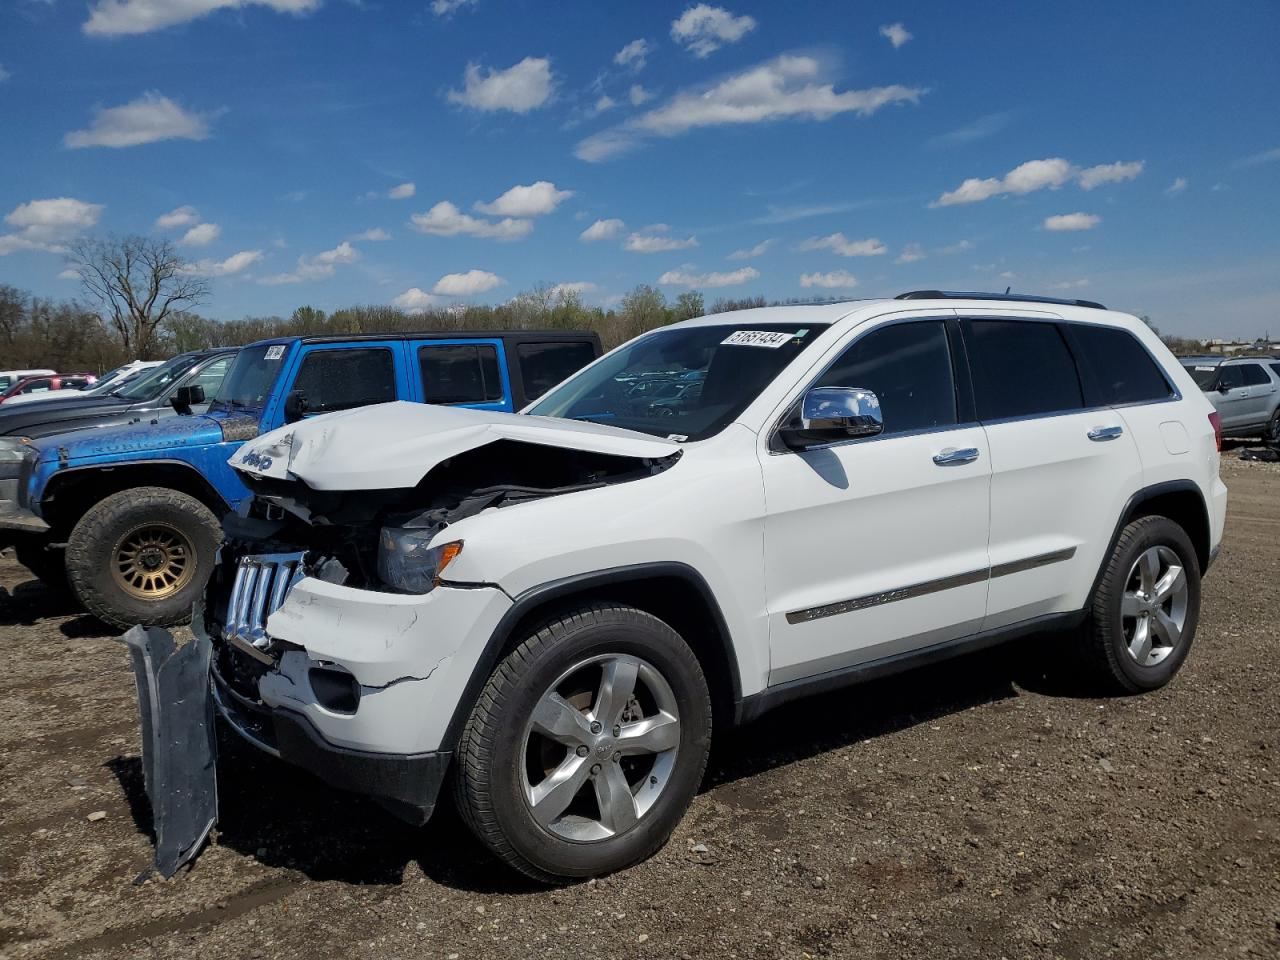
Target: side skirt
758, 704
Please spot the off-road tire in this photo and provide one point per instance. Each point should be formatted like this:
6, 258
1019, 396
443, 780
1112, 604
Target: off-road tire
47, 566
1104, 651
93, 541
487, 780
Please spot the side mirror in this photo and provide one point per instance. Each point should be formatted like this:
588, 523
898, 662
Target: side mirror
829, 414
295, 406
1224, 388
184, 397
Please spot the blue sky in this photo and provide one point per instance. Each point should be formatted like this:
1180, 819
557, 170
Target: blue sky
1123, 152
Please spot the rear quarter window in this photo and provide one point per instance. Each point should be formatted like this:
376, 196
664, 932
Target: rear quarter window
1116, 368
543, 365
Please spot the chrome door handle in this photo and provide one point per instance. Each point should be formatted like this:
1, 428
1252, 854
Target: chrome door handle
954, 455
1105, 433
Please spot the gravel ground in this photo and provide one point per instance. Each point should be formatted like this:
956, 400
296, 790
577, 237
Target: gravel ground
978, 809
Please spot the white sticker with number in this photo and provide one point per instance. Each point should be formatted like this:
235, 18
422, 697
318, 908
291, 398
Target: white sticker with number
1206, 369
276, 352
756, 338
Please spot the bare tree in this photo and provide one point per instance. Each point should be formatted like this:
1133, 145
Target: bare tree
138, 282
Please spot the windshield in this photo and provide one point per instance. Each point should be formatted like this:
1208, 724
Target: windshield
685, 383
154, 381
252, 375
1204, 374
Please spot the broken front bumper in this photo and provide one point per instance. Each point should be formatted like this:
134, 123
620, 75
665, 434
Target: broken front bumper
358, 686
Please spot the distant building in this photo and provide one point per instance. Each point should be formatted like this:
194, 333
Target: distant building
1230, 348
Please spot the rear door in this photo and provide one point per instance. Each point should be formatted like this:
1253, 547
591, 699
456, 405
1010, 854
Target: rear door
464, 373
1060, 473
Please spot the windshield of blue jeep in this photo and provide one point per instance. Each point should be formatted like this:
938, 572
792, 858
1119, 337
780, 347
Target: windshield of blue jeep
152, 382
686, 383
252, 375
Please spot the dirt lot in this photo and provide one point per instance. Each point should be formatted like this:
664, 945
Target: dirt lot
978, 809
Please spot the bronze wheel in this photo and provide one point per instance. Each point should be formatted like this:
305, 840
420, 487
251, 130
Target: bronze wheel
152, 561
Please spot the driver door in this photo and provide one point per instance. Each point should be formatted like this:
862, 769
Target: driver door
877, 546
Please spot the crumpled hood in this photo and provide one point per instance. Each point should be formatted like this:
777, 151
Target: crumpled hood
141, 437
393, 445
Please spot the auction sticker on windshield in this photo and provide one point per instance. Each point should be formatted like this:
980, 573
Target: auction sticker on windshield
756, 338
275, 353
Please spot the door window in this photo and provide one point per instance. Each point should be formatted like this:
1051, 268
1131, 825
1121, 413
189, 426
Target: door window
1021, 368
342, 379
1119, 368
37, 386
460, 373
211, 376
543, 365
1230, 377
1254, 375
906, 365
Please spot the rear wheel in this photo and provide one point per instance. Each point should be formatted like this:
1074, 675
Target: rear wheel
1146, 608
586, 746
1272, 434
142, 556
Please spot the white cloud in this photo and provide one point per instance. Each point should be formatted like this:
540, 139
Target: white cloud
403, 192
983, 127
415, 300
573, 287
839, 244
1072, 221
446, 220
1109, 173
446, 8
654, 239
180, 217
835, 280
638, 95
1034, 175
225, 268
68, 274
895, 33
633, 55
1178, 186
683, 278
703, 29
911, 253
535, 200
961, 247
521, 88
750, 253
1070, 284
788, 87
4, 74
317, 267
466, 284
149, 119
43, 224
605, 102
201, 235
603, 230
1255, 159
374, 235
117, 17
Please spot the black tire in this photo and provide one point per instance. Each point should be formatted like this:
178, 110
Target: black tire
1272, 433
1105, 647
489, 778
48, 566
100, 533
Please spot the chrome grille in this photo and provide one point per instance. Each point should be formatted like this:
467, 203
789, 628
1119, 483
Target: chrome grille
261, 584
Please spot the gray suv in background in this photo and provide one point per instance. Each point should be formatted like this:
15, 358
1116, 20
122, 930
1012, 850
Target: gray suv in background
1244, 390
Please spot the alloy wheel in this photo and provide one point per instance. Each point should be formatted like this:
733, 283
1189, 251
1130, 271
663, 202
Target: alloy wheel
1153, 608
153, 561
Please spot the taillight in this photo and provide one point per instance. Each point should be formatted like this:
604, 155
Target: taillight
1216, 420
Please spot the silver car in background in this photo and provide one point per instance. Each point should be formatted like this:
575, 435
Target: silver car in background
1244, 390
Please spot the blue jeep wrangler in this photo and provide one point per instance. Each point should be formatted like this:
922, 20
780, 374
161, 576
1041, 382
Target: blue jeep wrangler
130, 515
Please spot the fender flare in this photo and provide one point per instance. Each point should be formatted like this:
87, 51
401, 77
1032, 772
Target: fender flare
544, 593
139, 465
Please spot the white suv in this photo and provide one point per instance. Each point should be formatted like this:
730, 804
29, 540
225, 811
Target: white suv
557, 608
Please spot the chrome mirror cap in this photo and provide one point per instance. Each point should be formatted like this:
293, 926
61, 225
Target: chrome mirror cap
853, 411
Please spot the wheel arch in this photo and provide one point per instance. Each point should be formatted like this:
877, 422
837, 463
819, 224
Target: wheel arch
673, 592
70, 493
1181, 501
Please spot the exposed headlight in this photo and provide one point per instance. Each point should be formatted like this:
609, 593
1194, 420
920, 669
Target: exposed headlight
407, 562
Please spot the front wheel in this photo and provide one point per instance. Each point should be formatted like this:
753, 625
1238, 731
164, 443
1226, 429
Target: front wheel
1146, 608
142, 555
586, 746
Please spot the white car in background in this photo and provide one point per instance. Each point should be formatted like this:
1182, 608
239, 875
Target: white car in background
108, 382
561, 607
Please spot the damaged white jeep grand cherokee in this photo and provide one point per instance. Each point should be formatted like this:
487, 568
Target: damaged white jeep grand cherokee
557, 608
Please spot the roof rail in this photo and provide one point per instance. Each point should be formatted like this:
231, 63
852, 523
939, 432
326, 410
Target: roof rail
1015, 297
